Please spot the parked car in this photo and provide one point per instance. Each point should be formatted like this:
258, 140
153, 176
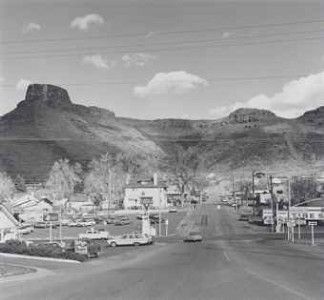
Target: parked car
173, 210
193, 237
44, 225
65, 222
121, 222
133, 239
87, 223
26, 228
73, 224
93, 234
256, 220
140, 217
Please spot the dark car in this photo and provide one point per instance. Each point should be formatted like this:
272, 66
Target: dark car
121, 222
193, 237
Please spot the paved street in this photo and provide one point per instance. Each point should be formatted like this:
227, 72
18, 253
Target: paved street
233, 262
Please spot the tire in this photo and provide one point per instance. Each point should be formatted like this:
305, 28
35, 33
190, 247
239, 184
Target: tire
113, 244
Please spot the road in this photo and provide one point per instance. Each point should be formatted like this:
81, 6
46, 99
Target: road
232, 262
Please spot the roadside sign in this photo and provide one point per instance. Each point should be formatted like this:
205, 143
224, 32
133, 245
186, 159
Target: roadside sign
301, 222
81, 247
291, 223
312, 223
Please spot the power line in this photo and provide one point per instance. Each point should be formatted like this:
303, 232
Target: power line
159, 33
156, 50
184, 42
214, 80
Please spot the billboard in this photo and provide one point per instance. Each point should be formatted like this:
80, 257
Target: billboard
51, 217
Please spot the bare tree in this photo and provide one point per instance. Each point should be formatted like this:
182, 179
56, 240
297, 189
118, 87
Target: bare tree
184, 164
7, 187
62, 179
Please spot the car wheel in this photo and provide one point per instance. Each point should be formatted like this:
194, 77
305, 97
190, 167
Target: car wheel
113, 244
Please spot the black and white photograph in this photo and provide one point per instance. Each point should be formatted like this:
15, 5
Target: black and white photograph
161, 149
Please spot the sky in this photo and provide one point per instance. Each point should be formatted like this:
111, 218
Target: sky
166, 59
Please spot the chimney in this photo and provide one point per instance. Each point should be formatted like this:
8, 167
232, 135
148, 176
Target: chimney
127, 179
155, 179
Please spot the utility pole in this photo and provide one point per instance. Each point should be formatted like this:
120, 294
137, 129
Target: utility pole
272, 200
289, 204
108, 197
61, 223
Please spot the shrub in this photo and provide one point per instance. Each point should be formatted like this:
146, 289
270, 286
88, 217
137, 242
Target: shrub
43, 250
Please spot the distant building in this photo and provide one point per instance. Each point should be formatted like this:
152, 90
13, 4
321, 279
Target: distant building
31, 209
80, 203
173, 195
147, 189
8, 225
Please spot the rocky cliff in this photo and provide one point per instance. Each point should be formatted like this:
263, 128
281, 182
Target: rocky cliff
47, 126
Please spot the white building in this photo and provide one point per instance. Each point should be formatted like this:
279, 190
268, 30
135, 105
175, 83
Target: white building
80, 203
145, 189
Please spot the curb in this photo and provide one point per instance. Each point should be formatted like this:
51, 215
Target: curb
10, 255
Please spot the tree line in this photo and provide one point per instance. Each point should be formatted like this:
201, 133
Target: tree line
105, 177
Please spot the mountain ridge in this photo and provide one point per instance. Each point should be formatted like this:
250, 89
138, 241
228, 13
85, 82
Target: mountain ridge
47, 126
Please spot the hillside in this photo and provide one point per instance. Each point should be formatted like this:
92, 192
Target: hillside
47, 125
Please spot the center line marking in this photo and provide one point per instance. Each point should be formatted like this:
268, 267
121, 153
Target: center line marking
226, 256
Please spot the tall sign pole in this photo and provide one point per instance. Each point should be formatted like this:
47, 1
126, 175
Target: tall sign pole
289, 204
272, 200
61, 223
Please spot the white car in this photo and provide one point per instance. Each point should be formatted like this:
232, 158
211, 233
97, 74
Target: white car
133, 239
93, 234
87, 223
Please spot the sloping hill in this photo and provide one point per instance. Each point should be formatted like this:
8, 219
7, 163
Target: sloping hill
47, 126
42, 129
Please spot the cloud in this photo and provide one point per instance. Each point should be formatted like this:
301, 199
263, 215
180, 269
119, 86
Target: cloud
227, 34
98, 61
31, 27
22, 84
84, 22
137, 59
294, 99
177, 82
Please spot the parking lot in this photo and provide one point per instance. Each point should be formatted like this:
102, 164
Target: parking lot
135, 225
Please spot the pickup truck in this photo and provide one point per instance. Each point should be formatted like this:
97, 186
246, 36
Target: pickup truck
134, 239
93, 234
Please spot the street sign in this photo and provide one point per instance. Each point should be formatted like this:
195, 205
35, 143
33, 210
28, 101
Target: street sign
312, 223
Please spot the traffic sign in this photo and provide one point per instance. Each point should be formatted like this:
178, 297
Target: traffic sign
312, 223
146, 201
